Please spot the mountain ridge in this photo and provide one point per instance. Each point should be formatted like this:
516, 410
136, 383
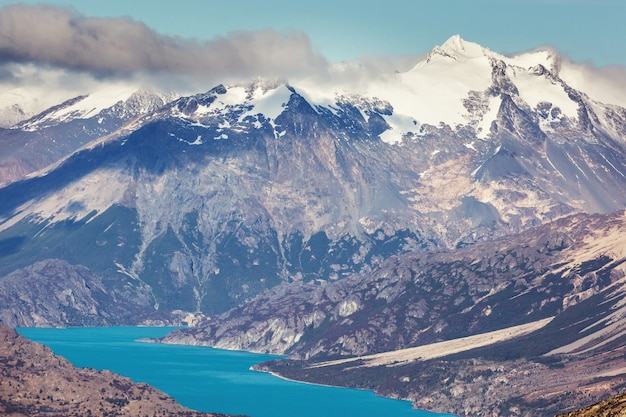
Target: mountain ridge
568, 354
491, 270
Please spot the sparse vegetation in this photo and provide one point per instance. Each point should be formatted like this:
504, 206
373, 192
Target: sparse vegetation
34, 382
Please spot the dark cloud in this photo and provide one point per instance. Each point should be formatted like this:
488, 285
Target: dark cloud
121, 46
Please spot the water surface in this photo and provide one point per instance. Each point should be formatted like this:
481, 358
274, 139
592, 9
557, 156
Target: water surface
208, 379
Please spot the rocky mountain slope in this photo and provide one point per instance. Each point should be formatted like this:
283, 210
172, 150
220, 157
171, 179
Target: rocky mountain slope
615, 406
525, 325
66, 295
417, 299
211, 199
35, 382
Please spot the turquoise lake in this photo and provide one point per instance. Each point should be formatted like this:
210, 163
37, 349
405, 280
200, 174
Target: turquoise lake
208, 379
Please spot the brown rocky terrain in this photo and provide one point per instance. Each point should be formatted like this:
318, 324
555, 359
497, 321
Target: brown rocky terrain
612, 407
36, 382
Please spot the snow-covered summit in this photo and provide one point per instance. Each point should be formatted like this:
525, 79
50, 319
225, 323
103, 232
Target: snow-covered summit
459, 84
126, 100
458, 49
235, 102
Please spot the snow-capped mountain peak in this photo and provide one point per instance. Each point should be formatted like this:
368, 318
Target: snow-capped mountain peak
128, 100
462, 83
235, 106
459, 84
458, 49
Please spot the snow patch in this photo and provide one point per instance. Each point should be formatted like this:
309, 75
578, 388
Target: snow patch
270, 104
483, 128
400, 125
535, 89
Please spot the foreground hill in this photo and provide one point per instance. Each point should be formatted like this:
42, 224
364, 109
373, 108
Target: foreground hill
35, 382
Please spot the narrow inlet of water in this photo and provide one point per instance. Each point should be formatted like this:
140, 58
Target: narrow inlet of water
208, 379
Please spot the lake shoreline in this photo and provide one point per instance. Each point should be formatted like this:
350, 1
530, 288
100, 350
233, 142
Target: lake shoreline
211, 379
284, 378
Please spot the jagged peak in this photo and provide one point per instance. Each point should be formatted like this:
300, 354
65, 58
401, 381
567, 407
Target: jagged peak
538, 61
457, 49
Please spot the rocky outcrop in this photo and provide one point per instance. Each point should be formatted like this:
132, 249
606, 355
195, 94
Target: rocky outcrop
612, 407
54, 293
35, 382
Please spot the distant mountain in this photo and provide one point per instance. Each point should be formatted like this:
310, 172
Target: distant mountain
35, 382
33, 143
204, 202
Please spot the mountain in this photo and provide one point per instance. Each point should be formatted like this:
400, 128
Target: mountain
444, 204
208, 200
33, 143
421, 298
36, 382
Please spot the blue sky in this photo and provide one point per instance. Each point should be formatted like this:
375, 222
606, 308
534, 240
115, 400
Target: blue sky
586, 30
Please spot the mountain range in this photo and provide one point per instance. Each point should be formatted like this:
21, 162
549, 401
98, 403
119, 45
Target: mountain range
476, 199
